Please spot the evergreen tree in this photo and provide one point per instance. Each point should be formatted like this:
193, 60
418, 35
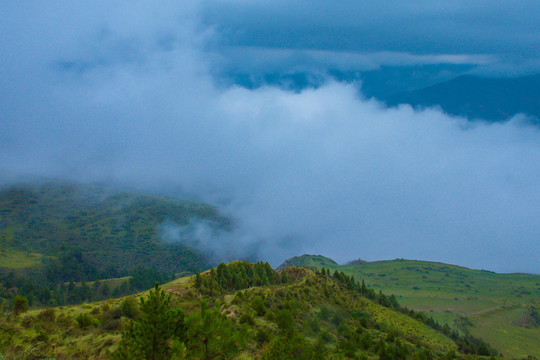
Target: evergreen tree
198, 280
151, 335
284, 279
211, 335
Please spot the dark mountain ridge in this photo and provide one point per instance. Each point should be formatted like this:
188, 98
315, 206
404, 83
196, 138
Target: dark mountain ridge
493, 99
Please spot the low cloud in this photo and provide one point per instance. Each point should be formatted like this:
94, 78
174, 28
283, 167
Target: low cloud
220, 245
320, 171
261, 61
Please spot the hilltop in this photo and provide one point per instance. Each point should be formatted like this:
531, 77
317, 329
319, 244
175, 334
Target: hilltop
491, 306
309, 261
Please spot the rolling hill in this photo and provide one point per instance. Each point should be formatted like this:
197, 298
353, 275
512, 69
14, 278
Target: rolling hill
485, 304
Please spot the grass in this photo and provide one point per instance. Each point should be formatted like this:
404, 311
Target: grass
490, 301
518, 342
410, 327
12, 258
306, 294
34, 336
15, 259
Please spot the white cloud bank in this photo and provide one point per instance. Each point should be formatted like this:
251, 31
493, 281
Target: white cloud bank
321, 171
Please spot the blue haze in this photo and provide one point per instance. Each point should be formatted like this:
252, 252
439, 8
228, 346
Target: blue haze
178, 98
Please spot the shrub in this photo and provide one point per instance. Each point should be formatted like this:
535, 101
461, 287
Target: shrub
115, 313
247, 318
324, 313
20, 304
64, 320
258, 305
85, 320
47, 315
262, 336
313, 325
27, 322
285, 320
130, 308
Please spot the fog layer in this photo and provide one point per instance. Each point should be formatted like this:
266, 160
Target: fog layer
124, 94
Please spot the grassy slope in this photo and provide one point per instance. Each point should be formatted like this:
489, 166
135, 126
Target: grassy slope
311, 293
490, 301
111, 228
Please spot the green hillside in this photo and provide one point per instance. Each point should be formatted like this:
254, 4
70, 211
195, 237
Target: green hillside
293, 314
113, 232
490, 306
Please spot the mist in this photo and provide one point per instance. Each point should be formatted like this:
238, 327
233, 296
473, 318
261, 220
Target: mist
127, 96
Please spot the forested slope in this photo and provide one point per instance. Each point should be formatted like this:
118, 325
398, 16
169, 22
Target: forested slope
113, 232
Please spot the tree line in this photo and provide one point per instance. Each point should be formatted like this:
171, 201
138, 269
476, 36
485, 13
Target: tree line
42, 292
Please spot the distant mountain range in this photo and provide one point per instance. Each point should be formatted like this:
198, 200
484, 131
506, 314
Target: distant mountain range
478, 98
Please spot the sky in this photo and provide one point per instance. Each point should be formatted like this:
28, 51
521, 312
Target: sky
131, 94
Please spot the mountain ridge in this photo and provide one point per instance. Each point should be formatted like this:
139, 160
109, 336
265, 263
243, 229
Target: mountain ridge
475, 97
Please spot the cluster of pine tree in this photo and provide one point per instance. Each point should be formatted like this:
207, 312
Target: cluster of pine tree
163, 332
237, 276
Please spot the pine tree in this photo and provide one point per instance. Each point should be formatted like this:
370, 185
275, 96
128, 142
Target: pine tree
284, 279
211, 335
151, 335
198, 280
363, 289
